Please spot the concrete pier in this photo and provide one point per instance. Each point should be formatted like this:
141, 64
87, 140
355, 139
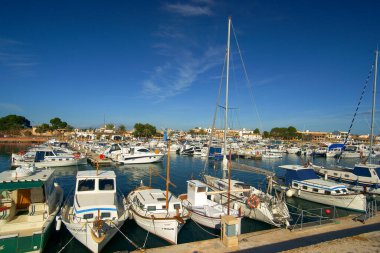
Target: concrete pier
276, 240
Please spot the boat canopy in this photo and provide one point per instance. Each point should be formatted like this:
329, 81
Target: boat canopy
336, 145
364, 171
299, 175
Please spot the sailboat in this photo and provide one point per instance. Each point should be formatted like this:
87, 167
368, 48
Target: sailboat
252, 202
158, 211
365, 175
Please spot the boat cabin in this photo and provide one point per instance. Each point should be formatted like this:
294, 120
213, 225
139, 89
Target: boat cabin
367, 170
154, 200
196, 192
95, 194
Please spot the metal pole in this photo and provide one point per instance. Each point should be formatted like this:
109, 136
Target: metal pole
226, 105
373, 108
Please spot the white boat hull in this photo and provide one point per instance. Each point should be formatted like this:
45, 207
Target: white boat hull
356, 202
167, 229
139, 159
50, 164
82, 232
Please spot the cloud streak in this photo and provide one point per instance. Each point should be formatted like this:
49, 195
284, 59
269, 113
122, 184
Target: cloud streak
10, 107
192, 9
13, 57
178, 75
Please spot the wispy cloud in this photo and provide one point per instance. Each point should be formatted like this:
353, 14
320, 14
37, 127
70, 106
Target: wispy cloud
10, 107
196, 8
14, 57
177, 75
266, 81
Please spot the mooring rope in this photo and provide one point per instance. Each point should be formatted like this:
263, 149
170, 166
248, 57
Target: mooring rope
205, 230
126, 237
71, 238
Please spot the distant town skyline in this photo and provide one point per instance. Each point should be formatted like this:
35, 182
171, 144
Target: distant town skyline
161, 63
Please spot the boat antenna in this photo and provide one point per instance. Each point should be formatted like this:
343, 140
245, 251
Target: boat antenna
226, 105
373, 107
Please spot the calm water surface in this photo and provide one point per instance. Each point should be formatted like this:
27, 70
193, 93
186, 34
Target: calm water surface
182, 168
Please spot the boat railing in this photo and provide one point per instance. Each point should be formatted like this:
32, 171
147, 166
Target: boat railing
311, 217
371, 211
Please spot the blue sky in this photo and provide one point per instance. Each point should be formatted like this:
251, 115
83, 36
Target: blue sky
160, 62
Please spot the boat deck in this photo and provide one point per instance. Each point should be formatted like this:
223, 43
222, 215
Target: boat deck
22, 224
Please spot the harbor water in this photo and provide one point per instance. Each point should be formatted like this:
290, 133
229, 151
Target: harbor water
182, 168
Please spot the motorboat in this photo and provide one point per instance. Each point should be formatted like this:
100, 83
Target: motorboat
51, 158
302, 182
140, 155
157, 211
28, 206
96, 211
206, 211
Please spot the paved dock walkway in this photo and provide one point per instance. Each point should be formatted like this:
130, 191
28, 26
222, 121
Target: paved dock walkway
277, 240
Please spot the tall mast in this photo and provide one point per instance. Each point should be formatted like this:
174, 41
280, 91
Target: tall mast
373, 107
225, 161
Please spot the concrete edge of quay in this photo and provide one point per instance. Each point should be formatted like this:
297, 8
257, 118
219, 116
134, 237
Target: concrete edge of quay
277, 240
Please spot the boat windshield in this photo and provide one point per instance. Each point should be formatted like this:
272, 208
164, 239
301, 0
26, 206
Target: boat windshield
378, 172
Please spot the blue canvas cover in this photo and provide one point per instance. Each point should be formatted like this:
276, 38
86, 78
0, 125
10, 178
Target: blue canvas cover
299, 175
362, 171
40, 156
336, 145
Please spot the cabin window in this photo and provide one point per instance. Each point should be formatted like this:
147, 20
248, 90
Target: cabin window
60, 159
346, 175
335, 174
106, 184
304, 187
86, 185
53, 159
328, 192
151, 208
105, 215
344, 190
49, 154
161, 199
337, 191
177, 206
315, 190
88, 216
163, 207
295, 184
201, 189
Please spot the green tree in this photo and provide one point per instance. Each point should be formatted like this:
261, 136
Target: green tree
256, 131
121, 129
144, 130
266, 134
43, 128
110, 126
14, 122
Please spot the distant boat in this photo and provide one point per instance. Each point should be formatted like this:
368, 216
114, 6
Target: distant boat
137, 155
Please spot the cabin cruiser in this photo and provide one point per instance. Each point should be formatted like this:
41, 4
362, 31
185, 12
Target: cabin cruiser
159, 212
140, 155
204, 210
366, 175
49, 158
98, 209
302, 182
29, 203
